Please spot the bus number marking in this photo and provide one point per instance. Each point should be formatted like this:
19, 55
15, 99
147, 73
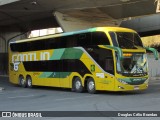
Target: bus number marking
92, 68
16, 66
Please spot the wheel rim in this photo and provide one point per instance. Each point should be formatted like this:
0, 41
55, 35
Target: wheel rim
91, 85
22, 81
29, 82
78, 85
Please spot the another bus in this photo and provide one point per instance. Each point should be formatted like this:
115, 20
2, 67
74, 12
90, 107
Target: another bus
102, 58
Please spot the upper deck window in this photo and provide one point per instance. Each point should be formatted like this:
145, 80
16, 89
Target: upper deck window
76, 40
126, 40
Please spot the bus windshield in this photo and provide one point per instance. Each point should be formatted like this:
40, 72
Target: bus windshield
133, 64
126, 40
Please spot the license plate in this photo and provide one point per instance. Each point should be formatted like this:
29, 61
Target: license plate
136, 87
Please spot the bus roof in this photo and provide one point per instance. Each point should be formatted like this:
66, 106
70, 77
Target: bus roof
107, 29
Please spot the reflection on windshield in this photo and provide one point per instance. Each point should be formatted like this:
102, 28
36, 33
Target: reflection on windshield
126, 40
133, 65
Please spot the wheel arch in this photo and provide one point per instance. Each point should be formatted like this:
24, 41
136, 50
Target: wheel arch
28, 76
20, 75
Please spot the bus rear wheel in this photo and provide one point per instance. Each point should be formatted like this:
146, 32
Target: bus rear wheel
29, 82
77, 85
91, 86
22, 81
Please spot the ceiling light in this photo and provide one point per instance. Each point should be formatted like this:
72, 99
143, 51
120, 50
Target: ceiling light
34, 3
124, 0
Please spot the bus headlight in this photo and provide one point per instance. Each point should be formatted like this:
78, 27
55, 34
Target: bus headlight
122, 81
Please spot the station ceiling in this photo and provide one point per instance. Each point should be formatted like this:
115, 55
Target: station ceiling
34, 12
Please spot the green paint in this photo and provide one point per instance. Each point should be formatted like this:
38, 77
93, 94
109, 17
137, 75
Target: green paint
57, 54
68, 53
79, 32
92, 29
59, 74
64, 74
134, 80
155, 52
119, 51
72, 53
45, 74
54, 74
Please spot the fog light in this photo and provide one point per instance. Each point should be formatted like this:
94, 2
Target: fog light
120, 87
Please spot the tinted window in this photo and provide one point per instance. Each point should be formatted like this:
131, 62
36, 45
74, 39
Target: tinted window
137, 40
59, 66
100, 38
114, 39
126, 40
103, 57
85, 39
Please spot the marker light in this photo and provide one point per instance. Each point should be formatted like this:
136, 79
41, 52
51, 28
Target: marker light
127, 54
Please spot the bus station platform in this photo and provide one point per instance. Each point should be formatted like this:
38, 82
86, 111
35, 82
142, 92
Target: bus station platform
1, 88
3, 80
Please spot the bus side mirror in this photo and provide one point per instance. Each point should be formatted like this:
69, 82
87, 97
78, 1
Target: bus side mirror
155, 52
118, 50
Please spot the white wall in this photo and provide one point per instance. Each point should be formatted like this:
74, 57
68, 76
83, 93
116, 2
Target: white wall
154, 66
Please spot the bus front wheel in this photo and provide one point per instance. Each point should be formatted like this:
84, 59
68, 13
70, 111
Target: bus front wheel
29, 82
77, 85
91, 86
22, 81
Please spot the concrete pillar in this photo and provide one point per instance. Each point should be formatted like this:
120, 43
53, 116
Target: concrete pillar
7, 34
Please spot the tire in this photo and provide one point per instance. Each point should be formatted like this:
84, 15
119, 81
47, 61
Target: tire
29, 82
77, 85
91, 86
22, 81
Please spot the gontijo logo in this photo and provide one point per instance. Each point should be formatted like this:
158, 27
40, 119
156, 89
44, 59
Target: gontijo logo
32, 56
